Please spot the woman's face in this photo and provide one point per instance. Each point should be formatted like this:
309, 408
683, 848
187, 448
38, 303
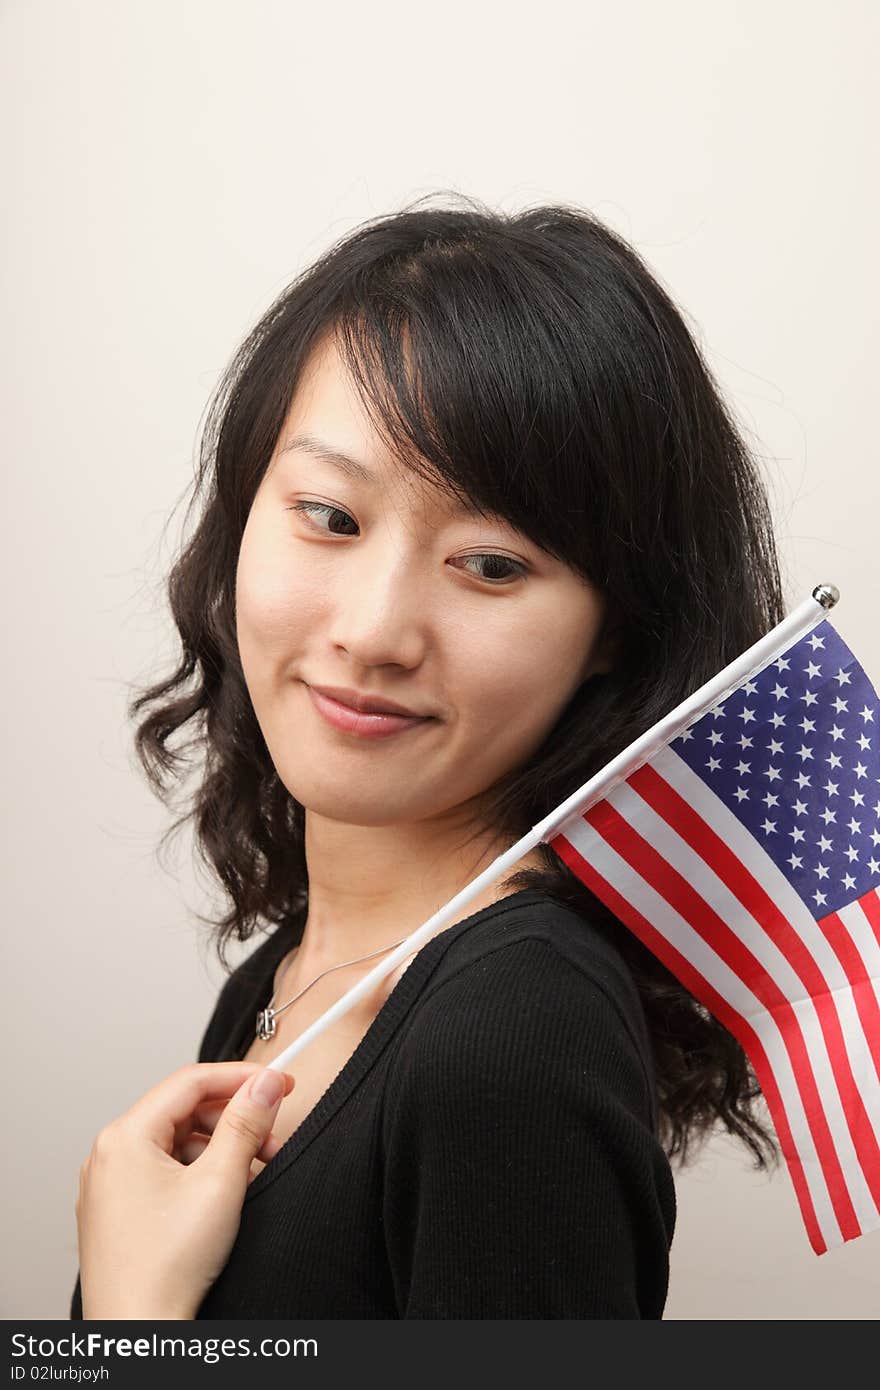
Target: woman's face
379, 585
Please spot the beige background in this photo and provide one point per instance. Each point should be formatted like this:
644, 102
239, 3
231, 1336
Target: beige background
168, 168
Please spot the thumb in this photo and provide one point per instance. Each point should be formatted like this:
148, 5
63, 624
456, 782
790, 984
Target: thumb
245, 1123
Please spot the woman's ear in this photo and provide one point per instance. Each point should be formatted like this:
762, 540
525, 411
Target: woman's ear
606, 649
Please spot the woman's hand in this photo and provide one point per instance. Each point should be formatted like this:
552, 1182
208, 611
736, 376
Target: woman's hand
160, 1194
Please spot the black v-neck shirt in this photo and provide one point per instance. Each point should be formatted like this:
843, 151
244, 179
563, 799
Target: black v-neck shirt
489, 1150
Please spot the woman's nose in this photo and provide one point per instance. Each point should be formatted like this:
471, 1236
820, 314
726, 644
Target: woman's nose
381, 611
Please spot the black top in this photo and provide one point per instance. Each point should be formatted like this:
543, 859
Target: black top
489, 1149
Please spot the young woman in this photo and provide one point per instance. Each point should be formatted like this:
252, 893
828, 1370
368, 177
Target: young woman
474, 517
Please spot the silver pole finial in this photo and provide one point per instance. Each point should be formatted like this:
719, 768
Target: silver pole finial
826, 594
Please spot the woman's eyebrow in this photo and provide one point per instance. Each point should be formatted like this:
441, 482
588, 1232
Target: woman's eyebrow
352, 467
308, 444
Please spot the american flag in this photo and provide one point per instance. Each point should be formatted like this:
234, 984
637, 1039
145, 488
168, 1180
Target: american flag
745, 854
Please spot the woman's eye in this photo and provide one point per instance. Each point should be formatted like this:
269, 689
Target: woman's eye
308, 508
514, 568
494, 562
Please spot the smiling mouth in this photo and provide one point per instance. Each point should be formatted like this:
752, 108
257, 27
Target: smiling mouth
362, 723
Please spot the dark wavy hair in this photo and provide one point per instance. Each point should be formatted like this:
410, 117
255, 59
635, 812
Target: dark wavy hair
533, 365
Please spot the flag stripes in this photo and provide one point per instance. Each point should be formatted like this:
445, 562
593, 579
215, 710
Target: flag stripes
856, 946
687, 877
804, 963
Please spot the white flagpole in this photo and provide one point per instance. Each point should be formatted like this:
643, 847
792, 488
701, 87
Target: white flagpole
799, 622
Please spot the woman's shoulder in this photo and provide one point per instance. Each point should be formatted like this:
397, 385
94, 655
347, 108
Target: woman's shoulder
530, 944
533, 979
523, 1172
536, 914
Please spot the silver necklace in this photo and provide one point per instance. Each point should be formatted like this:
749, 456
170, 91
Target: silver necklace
266, 1017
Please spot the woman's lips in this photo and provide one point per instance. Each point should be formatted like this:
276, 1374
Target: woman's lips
353, 721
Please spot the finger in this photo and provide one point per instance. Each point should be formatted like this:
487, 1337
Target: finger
272, 1146
174, 1100
204, 1119
193, 1146
245, 1126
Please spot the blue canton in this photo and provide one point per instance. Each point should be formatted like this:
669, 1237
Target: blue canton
794, 753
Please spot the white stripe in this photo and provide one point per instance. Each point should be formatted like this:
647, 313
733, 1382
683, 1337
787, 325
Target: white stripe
753, 934
666, 920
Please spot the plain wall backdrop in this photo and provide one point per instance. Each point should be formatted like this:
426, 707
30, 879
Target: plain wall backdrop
167, 169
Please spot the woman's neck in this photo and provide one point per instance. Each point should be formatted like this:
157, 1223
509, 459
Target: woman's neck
371, 885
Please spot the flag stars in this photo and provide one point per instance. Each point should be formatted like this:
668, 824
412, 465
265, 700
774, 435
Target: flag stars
791, 719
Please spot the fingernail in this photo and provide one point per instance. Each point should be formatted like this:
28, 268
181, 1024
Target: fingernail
267, 1087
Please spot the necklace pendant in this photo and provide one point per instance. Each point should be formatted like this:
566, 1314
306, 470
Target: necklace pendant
266, 1024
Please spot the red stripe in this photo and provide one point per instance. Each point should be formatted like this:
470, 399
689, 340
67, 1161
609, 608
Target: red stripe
843, 946
666, 880
687, 822
734, 1022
